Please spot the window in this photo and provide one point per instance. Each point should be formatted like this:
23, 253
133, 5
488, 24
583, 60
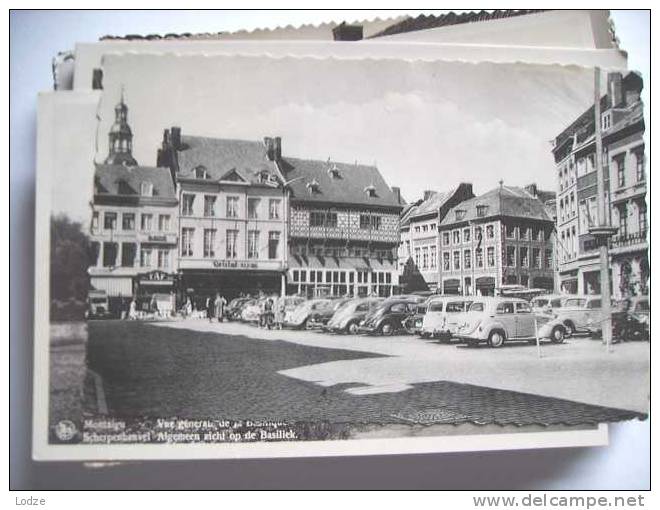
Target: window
490, 256
460, 214
109, 254
187, 235
467, 259
481, 210
128, 251
163, 258
536, 258
524, 258
94, 251
253, 208
433, 257
370, 222
200, 172
209, 242
230, 244
145, 257
490, 231
510, 231
511, 256
445, 261
639, 165
232, 207
253, 244
425, 257
164, 223
209, 205
273, 245
621, 170
476, 307
456, 234
433, 226
331, 219
606, 121
445, 238
128, 221
466, 235
109, 221
523, 308
146, 222
524, 233
187, 201
548, 258
479, 257
623, 220
643, 221
538, 234
95, 221
504, 308
327, 219
417, 228
418, 253
274, 206
457, 260
146, 189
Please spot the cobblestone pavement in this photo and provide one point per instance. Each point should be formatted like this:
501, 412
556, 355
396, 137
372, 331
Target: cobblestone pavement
579, 369
196, 369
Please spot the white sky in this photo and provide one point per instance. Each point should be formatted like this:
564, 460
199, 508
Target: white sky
426, 125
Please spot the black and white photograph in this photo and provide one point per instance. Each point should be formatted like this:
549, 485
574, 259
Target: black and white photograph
386, 237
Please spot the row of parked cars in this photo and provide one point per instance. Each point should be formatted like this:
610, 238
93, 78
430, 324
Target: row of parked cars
470, 319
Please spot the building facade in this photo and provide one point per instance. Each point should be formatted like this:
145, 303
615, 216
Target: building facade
419, 231
343, 229
503, 237
622, 128
231, 218
133, 231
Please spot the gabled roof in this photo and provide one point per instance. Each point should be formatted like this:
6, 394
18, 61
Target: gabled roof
223, 159
119, 180
432, 204
507, 201
423, 22
349, 184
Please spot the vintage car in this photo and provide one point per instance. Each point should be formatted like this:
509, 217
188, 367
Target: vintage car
300, 316
348, 317
546, 303
580, 313
233, 309
389, 317
443, 315
413, 323
497, 320
250, 310
321, 316
98, 306
290, 304
631, 319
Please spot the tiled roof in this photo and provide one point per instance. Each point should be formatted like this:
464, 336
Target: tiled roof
332, 182
126, 180
432, 204
508, 201
223, 159
423, 22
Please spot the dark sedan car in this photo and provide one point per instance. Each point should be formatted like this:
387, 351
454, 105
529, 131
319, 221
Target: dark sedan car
389, 317
319, 318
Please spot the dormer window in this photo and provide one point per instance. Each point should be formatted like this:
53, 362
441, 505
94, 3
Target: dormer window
200, 172
333, 171
370, 191
313, 186
460, 214
606, 121
146, 189
482, 210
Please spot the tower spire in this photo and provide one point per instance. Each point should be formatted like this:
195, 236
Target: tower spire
120, 137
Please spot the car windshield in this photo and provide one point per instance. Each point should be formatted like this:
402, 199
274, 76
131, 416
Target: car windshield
436, 306
456, 307
594, 303
98, 300
421, 309
556, 303
476, 307
362, 307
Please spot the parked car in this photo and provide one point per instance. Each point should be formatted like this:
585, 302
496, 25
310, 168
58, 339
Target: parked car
389, 317
233, 309
497, 320
250, 310
348, 317
547, 303
290, 304
98, 306
320, 317
413, 323
443, 315
301, 314
631, 319
580, 313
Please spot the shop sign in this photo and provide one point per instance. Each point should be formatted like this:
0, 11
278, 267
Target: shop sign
235, 264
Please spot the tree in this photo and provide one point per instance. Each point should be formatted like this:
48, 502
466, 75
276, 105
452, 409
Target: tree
69, 260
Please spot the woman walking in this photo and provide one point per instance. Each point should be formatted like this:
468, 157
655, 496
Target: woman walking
220, 303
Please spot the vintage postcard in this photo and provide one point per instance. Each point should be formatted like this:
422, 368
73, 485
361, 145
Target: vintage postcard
248, 256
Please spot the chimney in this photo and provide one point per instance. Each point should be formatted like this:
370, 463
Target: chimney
615, 89
277, 148
397, 194
344, 32
428, 194
176, 137
270, 147
97, 79
532, 189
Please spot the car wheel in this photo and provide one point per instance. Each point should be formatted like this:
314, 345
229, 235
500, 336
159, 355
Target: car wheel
387, 329
352, 328
557, 335
496, 339
570, 328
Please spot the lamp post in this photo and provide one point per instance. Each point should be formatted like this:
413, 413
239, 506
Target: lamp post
603, 231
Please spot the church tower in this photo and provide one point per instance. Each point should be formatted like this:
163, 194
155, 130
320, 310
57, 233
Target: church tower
120, 138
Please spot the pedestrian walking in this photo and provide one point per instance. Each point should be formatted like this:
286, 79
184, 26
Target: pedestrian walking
280, 310
210, 308
220, 303
132, 310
